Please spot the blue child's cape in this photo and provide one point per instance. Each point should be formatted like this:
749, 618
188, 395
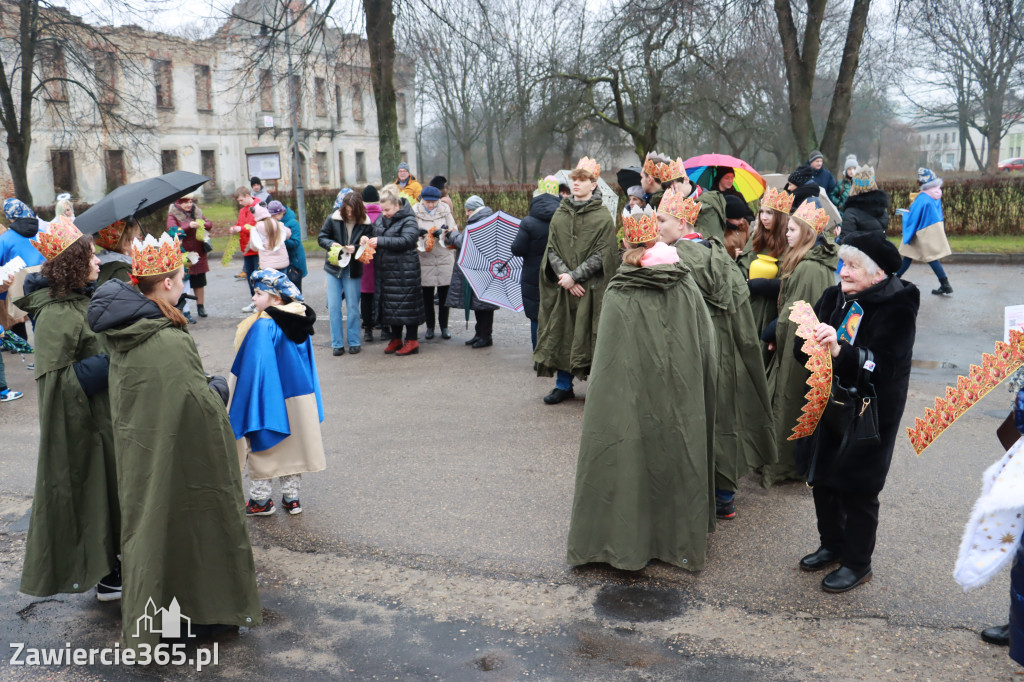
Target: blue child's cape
924, 211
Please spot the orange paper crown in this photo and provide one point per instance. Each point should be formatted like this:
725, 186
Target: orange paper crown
819, 364
590, 165
640, 225
675, 204
813, 216
994, 368
661, 171
61, 235
109, 235
777, 199
156, 256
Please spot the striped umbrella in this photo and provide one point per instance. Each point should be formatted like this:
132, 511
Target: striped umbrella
488, 264
747, 181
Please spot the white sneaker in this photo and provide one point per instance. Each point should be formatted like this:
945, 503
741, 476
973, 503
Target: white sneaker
251, 308
9, 394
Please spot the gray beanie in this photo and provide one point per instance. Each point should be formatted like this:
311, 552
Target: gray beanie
851, 162
635, 191
816, 154
473, 203
404, 166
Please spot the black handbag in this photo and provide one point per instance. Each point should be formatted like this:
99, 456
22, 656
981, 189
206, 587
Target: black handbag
851, 414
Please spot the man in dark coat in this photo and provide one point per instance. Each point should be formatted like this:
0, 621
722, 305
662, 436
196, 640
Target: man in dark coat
822, 176
846, 484
530, 243
397, 264
867, 207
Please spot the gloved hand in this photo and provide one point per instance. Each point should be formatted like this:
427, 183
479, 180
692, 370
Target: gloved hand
220, 386
766, 288
1018, 411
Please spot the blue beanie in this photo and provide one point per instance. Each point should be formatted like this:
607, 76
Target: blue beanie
925, 176
430, 194
340, 198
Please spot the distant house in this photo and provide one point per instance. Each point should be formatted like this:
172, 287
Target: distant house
938, 145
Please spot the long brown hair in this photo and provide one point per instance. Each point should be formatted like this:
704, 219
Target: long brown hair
355, 204
634, 253
736, 237
773, 241
795, 254
70, 269
148, 284
273, 234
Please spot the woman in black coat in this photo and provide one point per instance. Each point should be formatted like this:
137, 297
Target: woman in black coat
397, 266
867, 207
529, 244
846, 488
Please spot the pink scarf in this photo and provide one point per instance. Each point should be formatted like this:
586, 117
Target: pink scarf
659, 254
933, 192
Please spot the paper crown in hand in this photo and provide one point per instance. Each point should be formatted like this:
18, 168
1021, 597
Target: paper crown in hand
110, 235
663, 170
812, 216
639, 225
548, 185
682, 207
777, 199
153, 256
819, 366
590, 165
61, 234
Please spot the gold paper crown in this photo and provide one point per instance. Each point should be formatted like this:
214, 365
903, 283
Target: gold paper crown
61, 235
156, 256
777, 199
819, 363
548, 187
661, 171
969, 390
590, 165
675, 204
815, 217
109, 235
640, 225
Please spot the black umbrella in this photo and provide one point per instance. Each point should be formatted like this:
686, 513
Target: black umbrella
138, 199
627, 177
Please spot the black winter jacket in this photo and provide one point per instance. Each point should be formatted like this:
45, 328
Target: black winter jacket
397, 268
334, 231
529, 244
887, 328
459, 285
865, 213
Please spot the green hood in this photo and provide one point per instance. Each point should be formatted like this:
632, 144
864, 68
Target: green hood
127, 338
654, 277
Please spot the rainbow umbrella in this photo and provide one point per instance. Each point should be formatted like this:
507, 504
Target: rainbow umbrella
748, 182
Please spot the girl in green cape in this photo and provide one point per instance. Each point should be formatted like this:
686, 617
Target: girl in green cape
183, 513
645, 473
74, 534
807, 269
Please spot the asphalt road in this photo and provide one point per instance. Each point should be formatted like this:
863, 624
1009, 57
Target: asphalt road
433, 544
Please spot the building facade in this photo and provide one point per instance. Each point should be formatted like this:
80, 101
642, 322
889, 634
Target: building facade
220, 107
939, 146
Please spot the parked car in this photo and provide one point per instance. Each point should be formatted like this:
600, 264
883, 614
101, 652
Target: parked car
1012, 164
947, 167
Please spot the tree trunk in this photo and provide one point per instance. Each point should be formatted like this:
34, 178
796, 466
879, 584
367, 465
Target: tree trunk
801, 69
467, 160
839, 112
17, 161
569, 148
490, 151
380, 38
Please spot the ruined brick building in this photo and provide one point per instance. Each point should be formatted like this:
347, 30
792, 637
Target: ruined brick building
210, 107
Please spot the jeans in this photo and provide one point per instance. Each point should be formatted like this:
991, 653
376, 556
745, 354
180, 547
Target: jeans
250, 264
346, 288
3, 376
533, 333
563, 380
428, 306
935, 265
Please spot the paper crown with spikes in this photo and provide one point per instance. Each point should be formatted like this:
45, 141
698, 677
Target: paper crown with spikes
819, 364
812, 216
970, 389
590, 165
675, 204
663, 171
639, 225
548, 185
61, 234
153, 256
777, 199
110, 235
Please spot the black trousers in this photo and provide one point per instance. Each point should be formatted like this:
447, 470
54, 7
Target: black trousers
484, 323
410, 332
366, 311
442, 309
847, 523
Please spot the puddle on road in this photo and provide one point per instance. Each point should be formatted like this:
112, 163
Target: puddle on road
638, 603
933, 364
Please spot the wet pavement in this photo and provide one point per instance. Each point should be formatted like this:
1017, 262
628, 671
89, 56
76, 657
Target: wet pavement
433, 545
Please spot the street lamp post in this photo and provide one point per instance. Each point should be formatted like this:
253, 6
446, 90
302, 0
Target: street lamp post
300, 197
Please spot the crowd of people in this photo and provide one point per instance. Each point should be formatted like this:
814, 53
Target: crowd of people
697, 375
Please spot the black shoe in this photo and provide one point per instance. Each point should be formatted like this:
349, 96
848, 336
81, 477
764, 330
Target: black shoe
445, 334
997, 634
354, 350
109, 587
339, 351
188, 316
368, 336
201, 309
845, 579
944, 288
558, 395
725, 510
819, 560
472, 340
429, 334
483, 343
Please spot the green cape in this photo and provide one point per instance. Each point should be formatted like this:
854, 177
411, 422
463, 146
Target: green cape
183, 518
74, 534
744, 434
567, 327
644, 478
114, 269
711, 219
787, 377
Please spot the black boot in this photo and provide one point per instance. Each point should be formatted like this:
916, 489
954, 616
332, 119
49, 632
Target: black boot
944, 288
368, 335
997, 634
201, 309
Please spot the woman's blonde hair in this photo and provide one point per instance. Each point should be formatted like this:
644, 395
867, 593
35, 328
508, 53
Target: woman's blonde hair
273, 234
635, 252
794, 254
391, 194
61, 206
